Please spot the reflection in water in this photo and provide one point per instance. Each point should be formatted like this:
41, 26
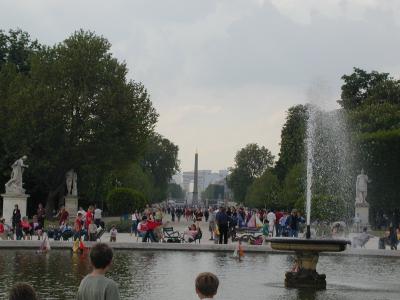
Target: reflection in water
156, 275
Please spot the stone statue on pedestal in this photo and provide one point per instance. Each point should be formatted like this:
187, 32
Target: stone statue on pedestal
71, 179
362, 188
15, 184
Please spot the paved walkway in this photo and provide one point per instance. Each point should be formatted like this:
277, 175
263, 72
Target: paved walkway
128, 241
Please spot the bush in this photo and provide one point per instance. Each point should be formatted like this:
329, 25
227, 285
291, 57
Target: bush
121, 226
125, 200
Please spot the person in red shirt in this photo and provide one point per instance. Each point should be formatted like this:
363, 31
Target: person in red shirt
89, 218
26, 228
63, 215
2, 230
146, 228
78, 227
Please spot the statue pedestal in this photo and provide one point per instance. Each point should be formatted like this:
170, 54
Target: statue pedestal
362, 212
10, 200
71, 205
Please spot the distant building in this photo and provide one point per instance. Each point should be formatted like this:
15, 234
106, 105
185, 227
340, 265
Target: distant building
206, 177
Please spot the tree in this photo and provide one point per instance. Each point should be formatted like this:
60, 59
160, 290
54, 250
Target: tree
250, 163
16, 49
362, 87
161, 161
264, 192
73, 109
293, 190
125, 200
175, 191
213, 192
372, 103
292, 150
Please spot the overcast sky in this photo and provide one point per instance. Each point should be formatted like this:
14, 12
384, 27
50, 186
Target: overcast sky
221, 74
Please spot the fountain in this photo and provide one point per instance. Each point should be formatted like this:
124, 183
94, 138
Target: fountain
304, 273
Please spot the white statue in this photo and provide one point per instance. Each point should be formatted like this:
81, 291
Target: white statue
71, 179
362, 188
14, 185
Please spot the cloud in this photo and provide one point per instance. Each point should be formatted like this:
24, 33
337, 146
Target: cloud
222, 73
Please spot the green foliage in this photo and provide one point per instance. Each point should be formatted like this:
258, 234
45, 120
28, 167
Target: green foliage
379, 154
327, 208
125, 200
213, 192
293, 135
73, 107
250, 163
16, 48
372, 101
175, 191
361, 88
264, 192
133, 177
294, 186
160, 160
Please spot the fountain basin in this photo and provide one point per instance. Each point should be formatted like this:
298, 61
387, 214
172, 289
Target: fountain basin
315, 245
304, 272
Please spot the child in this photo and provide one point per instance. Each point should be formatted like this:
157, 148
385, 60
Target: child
113, 234
206, 285
265, 228
26, 228
95, 285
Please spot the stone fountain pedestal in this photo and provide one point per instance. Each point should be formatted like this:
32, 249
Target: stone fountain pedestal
304, 273
9, 202
71, 205
362, 212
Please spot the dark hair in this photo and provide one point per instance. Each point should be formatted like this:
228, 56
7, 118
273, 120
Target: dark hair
207, 284
22, 291
101, 255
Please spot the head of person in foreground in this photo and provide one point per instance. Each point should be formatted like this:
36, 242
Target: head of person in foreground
101, 256
22, 291
206, 285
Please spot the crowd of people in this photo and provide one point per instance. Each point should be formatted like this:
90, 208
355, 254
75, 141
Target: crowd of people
87, 225
147, 225
224, 222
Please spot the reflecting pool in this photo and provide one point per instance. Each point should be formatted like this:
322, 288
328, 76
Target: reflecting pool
170, 275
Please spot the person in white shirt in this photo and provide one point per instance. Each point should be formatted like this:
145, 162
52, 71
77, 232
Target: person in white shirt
135, 222
206, 285
82, 212
271, 217
97, 216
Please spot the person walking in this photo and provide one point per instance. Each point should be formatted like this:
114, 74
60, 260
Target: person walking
293, 224
97, 216
135, 222
16, 216
271, 217
96, 286
211, 223
222, 221
172, 211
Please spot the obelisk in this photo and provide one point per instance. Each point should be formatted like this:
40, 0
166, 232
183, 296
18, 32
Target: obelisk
196, 180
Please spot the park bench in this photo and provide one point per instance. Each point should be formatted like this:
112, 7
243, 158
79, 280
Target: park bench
169, 235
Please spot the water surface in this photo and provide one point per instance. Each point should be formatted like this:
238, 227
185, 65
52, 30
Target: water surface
155, 275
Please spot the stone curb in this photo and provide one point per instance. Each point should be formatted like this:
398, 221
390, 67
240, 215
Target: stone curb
193, 247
